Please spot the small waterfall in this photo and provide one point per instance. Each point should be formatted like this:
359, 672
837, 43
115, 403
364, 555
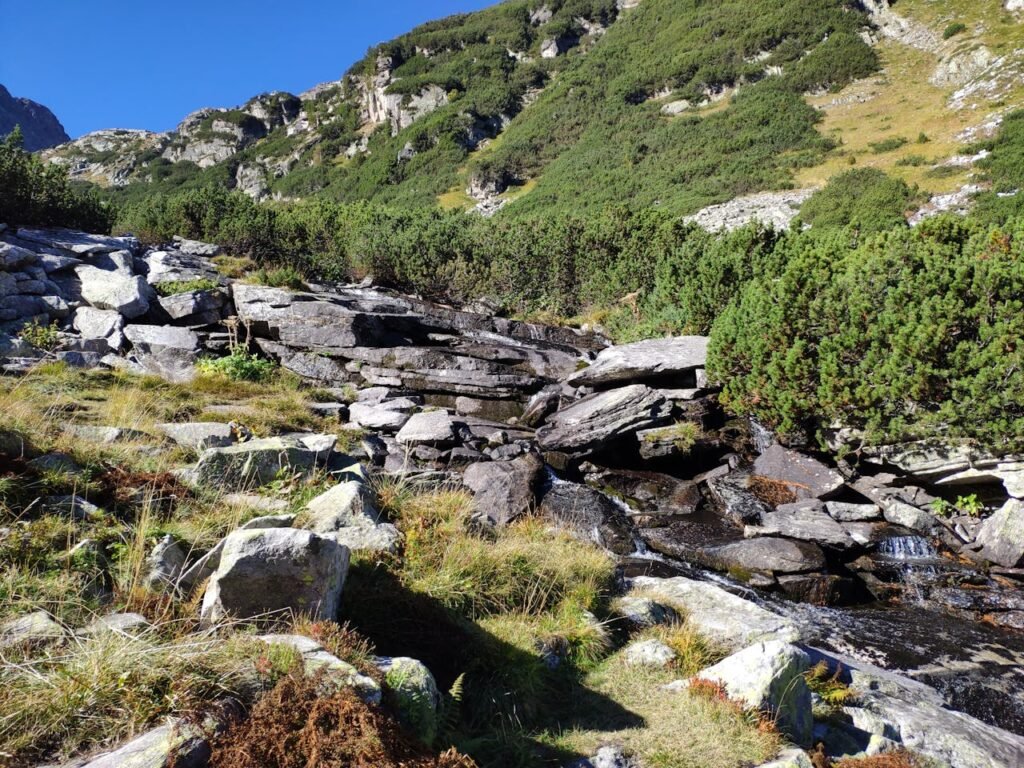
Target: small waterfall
915, 558
907, 548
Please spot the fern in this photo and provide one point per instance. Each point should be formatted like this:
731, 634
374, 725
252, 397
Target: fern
452, 710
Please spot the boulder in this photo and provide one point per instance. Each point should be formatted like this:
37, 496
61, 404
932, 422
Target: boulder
805, 520
194, 308
340, 673
805, 477
731, 495
608, 756
164, 564
180, 744
643, 612
428, 428
769, 554
199, 435
415, 695
719, 615
387, 415
273, 570
105, 324
789, 758
164, 350
1000, 539
768, 676
121, 623
14, 257
93, 433
589, 515
649, 495
128, 296
907, 515
541, 405
207, 565
504, 490
648, 653
938, 463
34, 628
175, 266
252, 463
599, 419
846, 512
346, 512
643, 360
196, 247
77, 242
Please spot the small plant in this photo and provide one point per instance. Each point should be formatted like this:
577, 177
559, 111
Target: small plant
828, 686
45, 338
922, 138
185, 286
953, 29
240, 365
683, 435
941, 507
912, 160
969, 505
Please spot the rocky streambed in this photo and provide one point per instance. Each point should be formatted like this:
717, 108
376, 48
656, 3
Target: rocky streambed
872, 566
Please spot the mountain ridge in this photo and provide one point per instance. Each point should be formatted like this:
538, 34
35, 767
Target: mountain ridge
40, 128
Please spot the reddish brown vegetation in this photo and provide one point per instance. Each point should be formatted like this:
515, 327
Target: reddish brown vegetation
771, 492
294, 726
898, 759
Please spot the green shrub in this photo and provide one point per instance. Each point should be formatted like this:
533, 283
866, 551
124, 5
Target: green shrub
185, 286
34, 192
888, 145
279, 277
866, 197
240, 365
45, 338
903, 334
953, 29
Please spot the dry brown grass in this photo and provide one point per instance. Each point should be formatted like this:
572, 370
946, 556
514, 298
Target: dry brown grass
772, 492
295, 726
898, 759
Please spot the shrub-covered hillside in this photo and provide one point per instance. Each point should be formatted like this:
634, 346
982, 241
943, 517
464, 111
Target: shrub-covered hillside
674, 103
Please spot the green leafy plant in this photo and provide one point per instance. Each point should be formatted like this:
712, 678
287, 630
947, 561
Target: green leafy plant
281, 277
829, 685
887, 145
240, 365
969, 505
43, 337
942, 508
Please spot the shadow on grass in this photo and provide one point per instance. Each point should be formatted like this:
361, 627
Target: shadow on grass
511, 697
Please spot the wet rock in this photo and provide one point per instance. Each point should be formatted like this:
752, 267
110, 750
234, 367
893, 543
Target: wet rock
768, 676
434, 428
199, 435
597, 420
814, 588
769, 554
804, 520
652, 497
909, 516
648, 653
278, 569
339, 674
717, 614
732, 496
256, 462
504, 490
1000, 539
589, 515
644, 360
805, 477
128, 296
415, 693
34, 628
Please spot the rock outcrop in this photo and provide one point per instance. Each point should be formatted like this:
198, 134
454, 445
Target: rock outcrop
40, 128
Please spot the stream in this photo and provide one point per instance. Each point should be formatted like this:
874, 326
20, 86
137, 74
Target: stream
979, 669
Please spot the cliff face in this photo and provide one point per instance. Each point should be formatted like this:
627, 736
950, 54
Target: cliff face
39, 125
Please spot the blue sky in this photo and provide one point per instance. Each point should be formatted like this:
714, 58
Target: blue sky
144, 64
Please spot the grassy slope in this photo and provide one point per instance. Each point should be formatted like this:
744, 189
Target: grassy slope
463, 602
902, 102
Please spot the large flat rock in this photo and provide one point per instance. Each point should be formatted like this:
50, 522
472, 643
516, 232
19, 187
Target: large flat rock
643, 360
719, 615
596, 420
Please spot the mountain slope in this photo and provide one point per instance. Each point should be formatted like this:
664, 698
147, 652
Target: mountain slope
39, 126
580, 104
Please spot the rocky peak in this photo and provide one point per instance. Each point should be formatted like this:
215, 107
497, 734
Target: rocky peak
39, 126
